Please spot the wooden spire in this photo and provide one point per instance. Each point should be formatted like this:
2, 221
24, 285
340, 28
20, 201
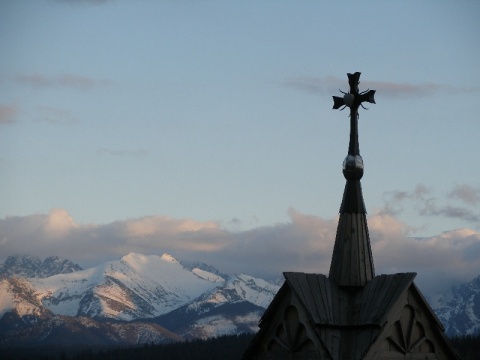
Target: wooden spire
352, 262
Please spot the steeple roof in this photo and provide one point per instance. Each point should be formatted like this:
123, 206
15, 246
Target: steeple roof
352, 262
351, 314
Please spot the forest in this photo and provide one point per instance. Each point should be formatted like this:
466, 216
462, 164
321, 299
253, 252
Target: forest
229, 347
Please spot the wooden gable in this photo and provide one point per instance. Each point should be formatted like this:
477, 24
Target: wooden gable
412, 331
313, 318
286, 331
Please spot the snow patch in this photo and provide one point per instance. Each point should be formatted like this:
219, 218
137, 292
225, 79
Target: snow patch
169, 258
207, 275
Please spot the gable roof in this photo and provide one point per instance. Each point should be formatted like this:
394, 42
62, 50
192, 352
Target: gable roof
347, 321
334, 306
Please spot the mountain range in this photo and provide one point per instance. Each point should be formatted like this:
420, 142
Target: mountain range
459, 308
136, 299
153, 299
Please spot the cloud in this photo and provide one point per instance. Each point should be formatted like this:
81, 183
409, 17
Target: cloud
8, 114
440, 261
431, 209
466, 193
58, 224
151, 225
72, 81
122, 152
330, 85
394, 201
305, 243
425, 203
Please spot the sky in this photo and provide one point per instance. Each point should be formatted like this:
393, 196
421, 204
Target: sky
205, 129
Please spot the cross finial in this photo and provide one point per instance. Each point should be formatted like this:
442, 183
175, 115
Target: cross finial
352, 262
353, 163
354, 99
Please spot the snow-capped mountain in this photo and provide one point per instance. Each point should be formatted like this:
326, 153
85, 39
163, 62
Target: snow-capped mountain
230, 308
459, 309
18, 295
146, 292
134, 287
153, 297
33, 267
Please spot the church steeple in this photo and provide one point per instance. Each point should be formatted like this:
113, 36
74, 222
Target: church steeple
352, 262
352, 314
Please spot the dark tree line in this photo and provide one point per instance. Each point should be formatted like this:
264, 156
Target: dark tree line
224, 347
468, 346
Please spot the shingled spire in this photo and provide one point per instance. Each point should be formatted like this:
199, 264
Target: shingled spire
352, 263
351, 314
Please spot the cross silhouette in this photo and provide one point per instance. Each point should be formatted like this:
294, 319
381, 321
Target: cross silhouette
353, 163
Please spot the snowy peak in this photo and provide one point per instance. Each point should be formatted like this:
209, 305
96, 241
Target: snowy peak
254, 290
206, 275
169, 258
17, 294
459, 309
238, 288
205, 301
33, 267
135, 258
137, 286
202, 270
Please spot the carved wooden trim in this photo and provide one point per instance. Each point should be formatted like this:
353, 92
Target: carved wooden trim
290, 335
408, 335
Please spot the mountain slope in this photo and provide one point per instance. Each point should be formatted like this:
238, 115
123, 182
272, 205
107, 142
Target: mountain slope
137, 298
103, 305
224, 319
231, 308
136, 286
459, 310
18, 295
32, 267
83, 331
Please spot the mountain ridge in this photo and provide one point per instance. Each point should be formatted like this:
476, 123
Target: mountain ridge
32, 267
459, 309
159, 298
125, 295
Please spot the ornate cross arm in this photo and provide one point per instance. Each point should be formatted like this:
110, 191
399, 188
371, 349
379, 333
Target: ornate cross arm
354, 99
353, 163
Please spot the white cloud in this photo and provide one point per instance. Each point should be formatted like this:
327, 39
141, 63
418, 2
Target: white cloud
305, 243
58, 224
151, 225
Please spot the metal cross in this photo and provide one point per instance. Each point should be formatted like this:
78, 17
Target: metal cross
353, 164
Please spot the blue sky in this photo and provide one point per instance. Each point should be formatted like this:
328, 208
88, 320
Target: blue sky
219, 112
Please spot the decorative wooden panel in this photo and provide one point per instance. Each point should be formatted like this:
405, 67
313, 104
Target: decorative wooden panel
407, 339
291, 335
291, 341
